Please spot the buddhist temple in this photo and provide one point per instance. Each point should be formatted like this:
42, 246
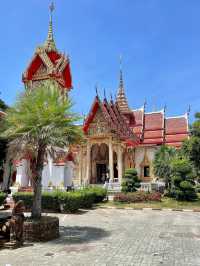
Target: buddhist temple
116, 136
47, 63
119, 137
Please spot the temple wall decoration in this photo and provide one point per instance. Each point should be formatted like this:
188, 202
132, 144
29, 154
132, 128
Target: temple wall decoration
144, 157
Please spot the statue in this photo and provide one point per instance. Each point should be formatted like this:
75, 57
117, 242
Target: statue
17, 223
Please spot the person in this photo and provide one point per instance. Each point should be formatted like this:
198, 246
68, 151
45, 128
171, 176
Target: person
17, 223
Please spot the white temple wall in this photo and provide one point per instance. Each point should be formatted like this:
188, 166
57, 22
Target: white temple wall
68, 174
139, 156
23, 173
52, 175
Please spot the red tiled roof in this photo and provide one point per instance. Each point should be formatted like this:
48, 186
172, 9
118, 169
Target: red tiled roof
138, 127
113, 116
176, 125
61, 75
149, 128
176, 130
154, 121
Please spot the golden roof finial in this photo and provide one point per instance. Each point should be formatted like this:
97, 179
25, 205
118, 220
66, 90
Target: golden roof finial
50, 43
121, 97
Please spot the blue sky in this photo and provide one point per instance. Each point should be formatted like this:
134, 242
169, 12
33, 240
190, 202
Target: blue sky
159, 41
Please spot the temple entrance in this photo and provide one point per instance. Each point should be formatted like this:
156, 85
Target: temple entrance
99, 163
115, 171
101, 173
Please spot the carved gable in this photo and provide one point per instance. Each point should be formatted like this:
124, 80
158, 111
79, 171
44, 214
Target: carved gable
41, 72
99, 126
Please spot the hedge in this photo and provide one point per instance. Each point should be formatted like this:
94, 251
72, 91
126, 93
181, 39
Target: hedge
2, 198
138, 196
70, 201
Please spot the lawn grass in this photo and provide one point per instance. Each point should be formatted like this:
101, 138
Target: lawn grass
165, 203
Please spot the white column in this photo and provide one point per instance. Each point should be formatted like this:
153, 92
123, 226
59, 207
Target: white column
80, 167
111, 173
22, 176
88, 161
119, 164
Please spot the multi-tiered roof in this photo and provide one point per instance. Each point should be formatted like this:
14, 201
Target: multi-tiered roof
138, 127
49, 63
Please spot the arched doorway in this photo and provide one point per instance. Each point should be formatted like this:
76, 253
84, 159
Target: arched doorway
99, 163
115, 166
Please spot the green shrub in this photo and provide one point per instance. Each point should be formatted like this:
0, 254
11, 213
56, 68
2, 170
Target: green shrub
27, 198
197, 188
2, 198
50, 201
99, 192
71, 201
183, 187
130, 181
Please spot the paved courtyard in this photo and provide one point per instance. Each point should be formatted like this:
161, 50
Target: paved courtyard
116, 237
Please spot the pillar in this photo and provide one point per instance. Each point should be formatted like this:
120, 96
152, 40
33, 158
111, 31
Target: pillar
111, 173
88, 163
119, 164
80, 166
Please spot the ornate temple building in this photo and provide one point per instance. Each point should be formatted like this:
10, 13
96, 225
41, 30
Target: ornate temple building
116, 137
48, 63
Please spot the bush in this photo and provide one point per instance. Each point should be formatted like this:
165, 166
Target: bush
71, 201
130, 181
183, 180
50, 201
138, 196
197, 188
99, 192
2, 198
27, 198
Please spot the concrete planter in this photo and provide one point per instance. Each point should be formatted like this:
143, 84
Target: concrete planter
45, 229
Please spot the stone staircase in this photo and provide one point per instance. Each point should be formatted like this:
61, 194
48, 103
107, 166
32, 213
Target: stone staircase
113, 187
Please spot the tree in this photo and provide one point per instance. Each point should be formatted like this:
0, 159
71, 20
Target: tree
130, 181
162, 163
3, 105
3, 142
40, 120
191, 147
183, 185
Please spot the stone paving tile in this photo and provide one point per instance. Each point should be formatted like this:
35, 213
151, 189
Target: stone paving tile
108, 237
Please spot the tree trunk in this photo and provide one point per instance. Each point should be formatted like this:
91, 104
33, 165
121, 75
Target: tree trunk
37, 184
7, 173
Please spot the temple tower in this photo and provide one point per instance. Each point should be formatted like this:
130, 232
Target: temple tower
121, 99
48, 63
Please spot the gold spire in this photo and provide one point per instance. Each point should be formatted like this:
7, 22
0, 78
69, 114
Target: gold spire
50, 43
121, 97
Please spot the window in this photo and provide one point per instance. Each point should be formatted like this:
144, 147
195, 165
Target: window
146, 171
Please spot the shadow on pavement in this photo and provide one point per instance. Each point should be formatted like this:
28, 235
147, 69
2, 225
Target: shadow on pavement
79, 235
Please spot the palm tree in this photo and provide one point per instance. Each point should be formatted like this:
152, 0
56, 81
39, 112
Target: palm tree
162, 163
40, 120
